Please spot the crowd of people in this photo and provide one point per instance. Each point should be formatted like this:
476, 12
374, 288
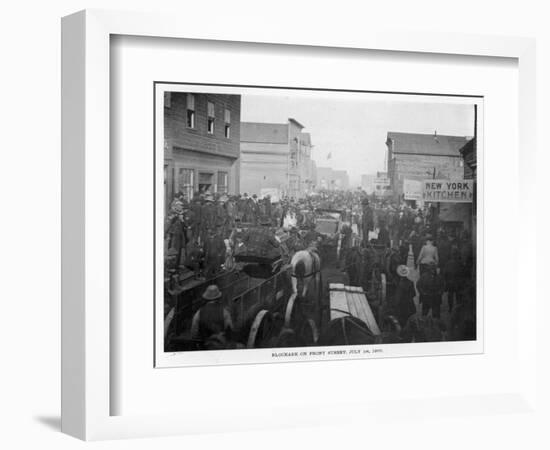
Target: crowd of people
201, 235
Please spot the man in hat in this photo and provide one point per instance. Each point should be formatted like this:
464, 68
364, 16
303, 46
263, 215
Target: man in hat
404, 295
212, 318
214, 253
194, 258
208, 216
221, 218
430, 287
176, 229
367, 219
196, 210
255, 209
396, 259
247, 208
383, 234
428, 255
230, 209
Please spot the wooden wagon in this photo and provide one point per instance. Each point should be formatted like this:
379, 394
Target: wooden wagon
352, 321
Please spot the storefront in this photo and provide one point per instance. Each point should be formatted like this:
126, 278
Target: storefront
201, 172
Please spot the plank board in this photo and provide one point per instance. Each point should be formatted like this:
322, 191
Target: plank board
352, 300
338, 301
358, 299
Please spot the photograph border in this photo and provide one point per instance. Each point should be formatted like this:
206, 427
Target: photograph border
85, 192
203, 358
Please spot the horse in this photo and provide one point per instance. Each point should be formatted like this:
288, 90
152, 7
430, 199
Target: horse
305, 264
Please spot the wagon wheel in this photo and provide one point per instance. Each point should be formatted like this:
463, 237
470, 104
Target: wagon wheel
262, 329
291, 311
309, 334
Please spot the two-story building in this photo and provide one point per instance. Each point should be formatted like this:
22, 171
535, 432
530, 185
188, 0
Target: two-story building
275, 156
416, 156
201, 143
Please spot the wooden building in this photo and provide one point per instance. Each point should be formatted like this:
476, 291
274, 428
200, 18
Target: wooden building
423, 156
275, 156
201, 143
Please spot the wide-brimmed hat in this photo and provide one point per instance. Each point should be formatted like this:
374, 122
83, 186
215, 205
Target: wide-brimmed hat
402, 270
212, 292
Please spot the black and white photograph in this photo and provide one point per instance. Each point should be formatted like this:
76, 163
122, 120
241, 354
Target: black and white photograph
309, 224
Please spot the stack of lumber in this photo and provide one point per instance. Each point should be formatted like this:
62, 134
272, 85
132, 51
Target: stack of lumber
351, 300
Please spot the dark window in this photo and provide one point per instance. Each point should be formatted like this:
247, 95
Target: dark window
190, 111
227, 120
206, 183
211, 117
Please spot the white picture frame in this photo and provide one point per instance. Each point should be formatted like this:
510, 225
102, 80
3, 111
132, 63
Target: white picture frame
86, 284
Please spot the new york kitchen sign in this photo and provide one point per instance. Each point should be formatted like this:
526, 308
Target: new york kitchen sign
451, 191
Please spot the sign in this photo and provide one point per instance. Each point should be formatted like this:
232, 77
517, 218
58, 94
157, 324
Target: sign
382, 187
448, 191
412, 190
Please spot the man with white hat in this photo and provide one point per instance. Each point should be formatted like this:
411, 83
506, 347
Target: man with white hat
404, 295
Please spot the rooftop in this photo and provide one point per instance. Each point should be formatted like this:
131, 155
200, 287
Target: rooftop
273, 133
291, 119
427, 144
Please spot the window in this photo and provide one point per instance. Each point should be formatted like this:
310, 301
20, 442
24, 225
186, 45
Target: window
293, 159
227, 120
190, 111
223, 182
211, 118
186, 178
206, 183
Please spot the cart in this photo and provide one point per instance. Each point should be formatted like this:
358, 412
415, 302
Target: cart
328, 223
352, 321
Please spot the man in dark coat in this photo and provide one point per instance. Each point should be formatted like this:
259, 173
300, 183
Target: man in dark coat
383, 235
430, 287
453, 275
368, 220
196, 209
214, 254
194, 258
208, 214
212, 318
443, 249
404, 296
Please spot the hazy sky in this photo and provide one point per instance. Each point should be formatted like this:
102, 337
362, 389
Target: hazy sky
354, 130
